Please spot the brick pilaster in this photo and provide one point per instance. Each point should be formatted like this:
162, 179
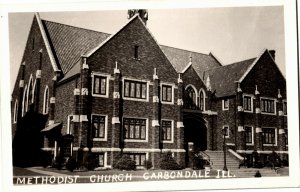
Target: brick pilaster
156, 138
257, 129
240, 143
179, 124
38, 84
84, 132
76, 123
281, 132
117, 134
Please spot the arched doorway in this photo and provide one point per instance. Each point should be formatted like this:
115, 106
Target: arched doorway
195, 131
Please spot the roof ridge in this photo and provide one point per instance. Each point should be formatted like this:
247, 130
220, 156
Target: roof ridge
185, 50
75, 26
230, 64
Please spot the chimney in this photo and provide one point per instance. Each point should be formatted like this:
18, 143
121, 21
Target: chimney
272, 52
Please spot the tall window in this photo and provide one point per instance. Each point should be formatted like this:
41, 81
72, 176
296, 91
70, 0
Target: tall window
70, 124
267, 105
269, 136
248, 135
167, 93
16, 111
286, 137
284, 107
247, 103
225, 104
201, 100
139, 158
33, 91
46, 101
98, 123
135, 89
29, 94
166, 130
99, 85
24, 101
134, 128
190, 98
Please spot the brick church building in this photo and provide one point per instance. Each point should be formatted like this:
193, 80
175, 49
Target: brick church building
126, 93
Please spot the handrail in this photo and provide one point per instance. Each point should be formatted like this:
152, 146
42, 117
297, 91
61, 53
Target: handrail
236, 154
205, 154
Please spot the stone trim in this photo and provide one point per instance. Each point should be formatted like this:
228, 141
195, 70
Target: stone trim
241, 128
51, 122
240, 108
52, 99
21, 83
179, 102
85, 66
258, 130
75, 118
38, 74
155, 123
116, 95
84, 91
115, 120
83, 118
180, 124
106, 149
76, 91
257, 110
155, 99
281, 131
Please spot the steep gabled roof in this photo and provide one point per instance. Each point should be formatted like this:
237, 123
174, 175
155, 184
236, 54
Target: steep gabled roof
180, 59
222, 79
69, 43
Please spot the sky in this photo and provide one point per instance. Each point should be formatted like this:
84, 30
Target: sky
231, 34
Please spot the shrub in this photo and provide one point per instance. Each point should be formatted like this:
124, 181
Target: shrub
90, 161
147, 164
167, 162
257, 174
125, 163
58, 162
71, 164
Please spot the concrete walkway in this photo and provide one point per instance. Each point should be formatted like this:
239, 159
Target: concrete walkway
50, 173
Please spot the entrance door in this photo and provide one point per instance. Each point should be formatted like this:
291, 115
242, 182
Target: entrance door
195, 131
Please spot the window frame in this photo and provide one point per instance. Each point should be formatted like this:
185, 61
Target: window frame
261, 108
105, 127
172, 131
138, 153
46, 102
275, 136
29, 91
134, 139
252, 135
196, 94
24, 100
223, 104
251, 102
172, 92
136, 81
106, 95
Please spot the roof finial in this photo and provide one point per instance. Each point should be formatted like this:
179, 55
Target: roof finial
116, 70
155, 74
256, 90
208, 85
279, 95
143, 13
191, 59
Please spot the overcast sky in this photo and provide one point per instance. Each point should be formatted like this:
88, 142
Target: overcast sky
232, 34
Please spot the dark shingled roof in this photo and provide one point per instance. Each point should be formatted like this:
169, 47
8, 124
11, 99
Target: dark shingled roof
222, 79
180, 58
69, 42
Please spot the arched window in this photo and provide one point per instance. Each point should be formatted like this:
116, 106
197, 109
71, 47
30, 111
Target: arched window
33, 91
29, 94
16, 111
190, 97
46, 101
202, 100
24, 101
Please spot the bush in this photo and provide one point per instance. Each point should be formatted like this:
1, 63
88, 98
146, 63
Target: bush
71, 164
167, 162
90, 161
147, 164
58, 162
125, 163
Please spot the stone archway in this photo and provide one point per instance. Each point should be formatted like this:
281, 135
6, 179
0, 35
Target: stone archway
195, 130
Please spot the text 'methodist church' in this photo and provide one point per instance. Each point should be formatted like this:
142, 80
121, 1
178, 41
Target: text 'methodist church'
125, 93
